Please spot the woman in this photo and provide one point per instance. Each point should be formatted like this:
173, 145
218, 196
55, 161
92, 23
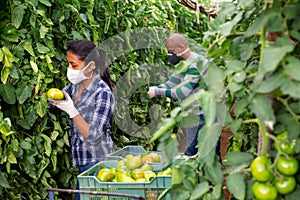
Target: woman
90, 104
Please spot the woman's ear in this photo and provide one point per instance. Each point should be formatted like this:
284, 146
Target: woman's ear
91, 66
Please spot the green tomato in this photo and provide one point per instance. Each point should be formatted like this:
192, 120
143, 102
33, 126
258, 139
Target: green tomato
287, 147
263, 191
285, 185
287, 166
260, 169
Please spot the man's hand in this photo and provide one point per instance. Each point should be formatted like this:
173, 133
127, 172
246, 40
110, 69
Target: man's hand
151, 92
66, 105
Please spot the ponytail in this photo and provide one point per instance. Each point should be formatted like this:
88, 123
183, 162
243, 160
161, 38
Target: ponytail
107, 79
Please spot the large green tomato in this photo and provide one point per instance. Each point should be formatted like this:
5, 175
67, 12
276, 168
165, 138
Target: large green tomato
285, 185
287, 147
287, 166
260, 169
263, 191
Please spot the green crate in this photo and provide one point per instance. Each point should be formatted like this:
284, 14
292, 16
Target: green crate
148, 190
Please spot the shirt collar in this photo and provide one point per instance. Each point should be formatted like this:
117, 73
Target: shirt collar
94, 82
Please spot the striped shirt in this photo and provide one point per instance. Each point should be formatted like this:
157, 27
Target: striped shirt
184, 84
97, 106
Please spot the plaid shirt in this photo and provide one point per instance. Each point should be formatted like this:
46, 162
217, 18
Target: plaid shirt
97, 106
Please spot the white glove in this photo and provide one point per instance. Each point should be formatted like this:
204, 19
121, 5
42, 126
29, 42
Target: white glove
151, 92
66, 105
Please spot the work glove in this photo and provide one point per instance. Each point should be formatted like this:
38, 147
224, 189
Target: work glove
66, 105
151, 92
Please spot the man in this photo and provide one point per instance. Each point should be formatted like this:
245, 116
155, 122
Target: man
182, 85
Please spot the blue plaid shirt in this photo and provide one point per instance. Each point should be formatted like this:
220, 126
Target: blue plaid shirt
97, 106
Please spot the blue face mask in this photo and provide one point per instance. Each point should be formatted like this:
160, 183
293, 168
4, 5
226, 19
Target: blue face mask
174, 59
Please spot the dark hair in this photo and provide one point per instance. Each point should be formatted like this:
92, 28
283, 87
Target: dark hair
87, 51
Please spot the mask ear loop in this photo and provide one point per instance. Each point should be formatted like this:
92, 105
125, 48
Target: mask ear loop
91, 70
180, 54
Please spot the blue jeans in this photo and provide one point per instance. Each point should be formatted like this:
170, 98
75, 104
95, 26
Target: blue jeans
82, 169
191, 148
192, 137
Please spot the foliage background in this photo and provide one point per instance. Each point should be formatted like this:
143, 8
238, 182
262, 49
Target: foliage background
34, 142
260, 78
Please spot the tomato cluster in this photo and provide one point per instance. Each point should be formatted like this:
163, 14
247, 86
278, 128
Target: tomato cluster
277, 178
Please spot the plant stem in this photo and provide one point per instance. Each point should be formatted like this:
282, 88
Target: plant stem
264, 133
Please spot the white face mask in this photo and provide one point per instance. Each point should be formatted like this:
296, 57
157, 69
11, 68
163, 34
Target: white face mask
77, 76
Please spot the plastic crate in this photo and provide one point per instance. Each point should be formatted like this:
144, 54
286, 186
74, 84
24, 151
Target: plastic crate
147, 190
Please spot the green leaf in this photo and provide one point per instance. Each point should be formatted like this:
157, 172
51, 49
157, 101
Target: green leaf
291, 11
214, 173
54, 135
233, 66
237, 158
296, 29
236, 185
4, 74
177, 176
291, 88
3, 181
41, 108
208, 104
17, 15
23, 93
235, 125
227, 27
47, 144
34, 66
235, 87
271, 83
28, 47
261, 21
12, 158
262, 107
45, 2
239, 77
26, 145
217, 191
207, 139
43, 31
246, 50
274, 53
245, 3
42, 48
200, 190
292, 69
7, 92
241, 105
54, 160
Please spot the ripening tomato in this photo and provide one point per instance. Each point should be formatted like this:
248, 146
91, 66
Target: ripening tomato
55, 93
260, 169
263, 191
287, 166
285, 184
